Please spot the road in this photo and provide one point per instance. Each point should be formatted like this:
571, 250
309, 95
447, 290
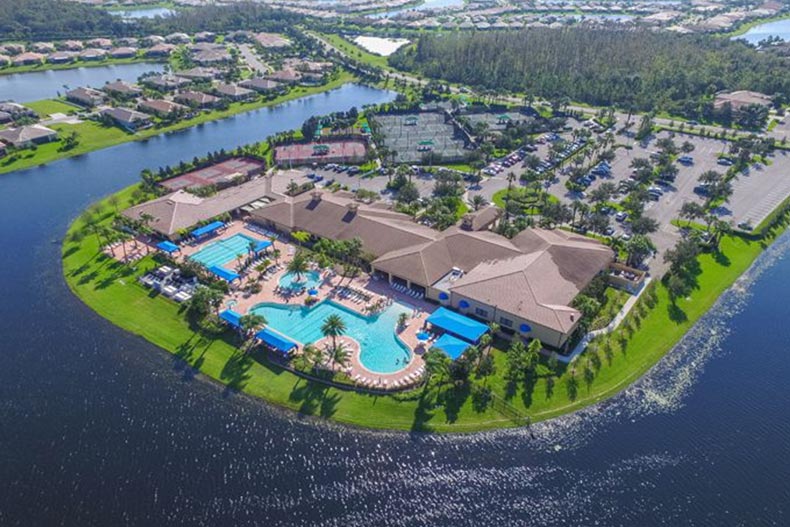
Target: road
251, 58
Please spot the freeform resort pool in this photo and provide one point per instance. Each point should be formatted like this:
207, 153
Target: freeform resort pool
308, 280
221, 252
380, 349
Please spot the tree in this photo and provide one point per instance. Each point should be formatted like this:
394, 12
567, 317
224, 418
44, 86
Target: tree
338, 354
309, 357
533, 353
251, 323
691, 210
333, 327
637, 248
682, 256
437, 366
478, 202
204, 300
644, 225
298, 266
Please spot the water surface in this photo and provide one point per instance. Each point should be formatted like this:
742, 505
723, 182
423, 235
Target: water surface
38, 85
777, 28
98, 428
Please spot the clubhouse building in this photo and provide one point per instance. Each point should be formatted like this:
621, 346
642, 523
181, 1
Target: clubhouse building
525, 284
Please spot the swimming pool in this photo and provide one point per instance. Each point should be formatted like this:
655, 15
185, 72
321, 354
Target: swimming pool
381, 351
310, 280
221, 252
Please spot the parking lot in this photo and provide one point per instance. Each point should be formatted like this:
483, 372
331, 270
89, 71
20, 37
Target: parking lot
758, 192
324, 176
412, 136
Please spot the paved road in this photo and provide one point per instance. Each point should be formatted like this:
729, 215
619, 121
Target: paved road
250, 56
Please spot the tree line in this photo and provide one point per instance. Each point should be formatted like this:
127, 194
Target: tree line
632, 69
58, 19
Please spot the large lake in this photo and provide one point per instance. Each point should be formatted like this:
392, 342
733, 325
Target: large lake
34, 86
777, 28
98, 428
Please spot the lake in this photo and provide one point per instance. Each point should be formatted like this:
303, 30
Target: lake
143, 13
427, 4
34, 86
100, 428
777, 28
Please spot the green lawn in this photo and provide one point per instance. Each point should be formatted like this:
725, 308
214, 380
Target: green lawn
111, 289
50, 106
355, 52
523, 194
93, 136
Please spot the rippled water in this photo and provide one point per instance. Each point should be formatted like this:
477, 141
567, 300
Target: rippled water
100, 428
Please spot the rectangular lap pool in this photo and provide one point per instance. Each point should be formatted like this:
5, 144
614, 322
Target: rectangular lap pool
221, 252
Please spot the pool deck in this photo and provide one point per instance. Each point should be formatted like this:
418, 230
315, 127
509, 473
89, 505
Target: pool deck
330, 289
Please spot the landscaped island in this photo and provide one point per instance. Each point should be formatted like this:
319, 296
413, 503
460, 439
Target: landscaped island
112, 289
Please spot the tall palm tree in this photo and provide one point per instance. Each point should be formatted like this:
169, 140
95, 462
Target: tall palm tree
333, 327
298, 266
251, 323
437, 365
339, 355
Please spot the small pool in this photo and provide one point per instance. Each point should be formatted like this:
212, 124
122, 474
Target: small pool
308, 280
381, 350
221, 252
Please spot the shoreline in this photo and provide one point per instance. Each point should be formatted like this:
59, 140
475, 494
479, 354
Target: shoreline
113, 136
43, 68
128, 305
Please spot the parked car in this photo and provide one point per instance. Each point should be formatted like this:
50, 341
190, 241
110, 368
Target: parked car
621, 216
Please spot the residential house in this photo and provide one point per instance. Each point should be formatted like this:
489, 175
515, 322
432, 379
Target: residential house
196, 99
128, 119
166, 82
123, 52
285, 76
17, 111
234, 92
5, 60
12, 49
153, 40
85, 96
62, 57
161, 107
28, 58
205, 36
43, 47
200, 73
178, 38
27, 136
261, 85
71, 45
103, 43
93, 54
122, 90
160, 50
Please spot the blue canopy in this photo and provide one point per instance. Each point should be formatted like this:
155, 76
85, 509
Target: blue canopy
525, 328
275, 340
206, 229
262, 246
452, 346
166, 246
231, 317
223, 273
457, 324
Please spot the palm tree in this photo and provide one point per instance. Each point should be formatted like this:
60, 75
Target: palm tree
310, 357
533, 352
437, 365
252, 322
478, 202
333, 327
298, 266
339, 355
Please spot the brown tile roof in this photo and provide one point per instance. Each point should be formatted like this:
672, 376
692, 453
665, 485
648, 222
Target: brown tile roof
332, 217
181, 210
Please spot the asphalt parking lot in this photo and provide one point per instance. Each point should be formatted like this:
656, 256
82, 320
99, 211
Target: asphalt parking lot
758, 192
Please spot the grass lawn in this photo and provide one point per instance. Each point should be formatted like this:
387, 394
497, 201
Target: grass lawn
50, 106
94, 136
111, 289
460, 167
523, 194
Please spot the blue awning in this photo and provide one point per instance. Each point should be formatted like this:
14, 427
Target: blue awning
275, 340
223, 273
458, 324
206, 229
231, 317
166, 246
452, 346
262, 246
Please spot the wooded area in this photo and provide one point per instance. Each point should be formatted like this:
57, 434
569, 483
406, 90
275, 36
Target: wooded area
56, 19
642, 70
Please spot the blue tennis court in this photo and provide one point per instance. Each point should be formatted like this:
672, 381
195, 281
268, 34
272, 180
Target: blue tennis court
221, 252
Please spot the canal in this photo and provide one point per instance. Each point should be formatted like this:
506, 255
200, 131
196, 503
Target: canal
97, 427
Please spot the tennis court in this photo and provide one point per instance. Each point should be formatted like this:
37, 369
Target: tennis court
412, 136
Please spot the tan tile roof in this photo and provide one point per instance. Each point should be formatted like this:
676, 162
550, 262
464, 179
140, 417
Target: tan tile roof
332, 217
181, 210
